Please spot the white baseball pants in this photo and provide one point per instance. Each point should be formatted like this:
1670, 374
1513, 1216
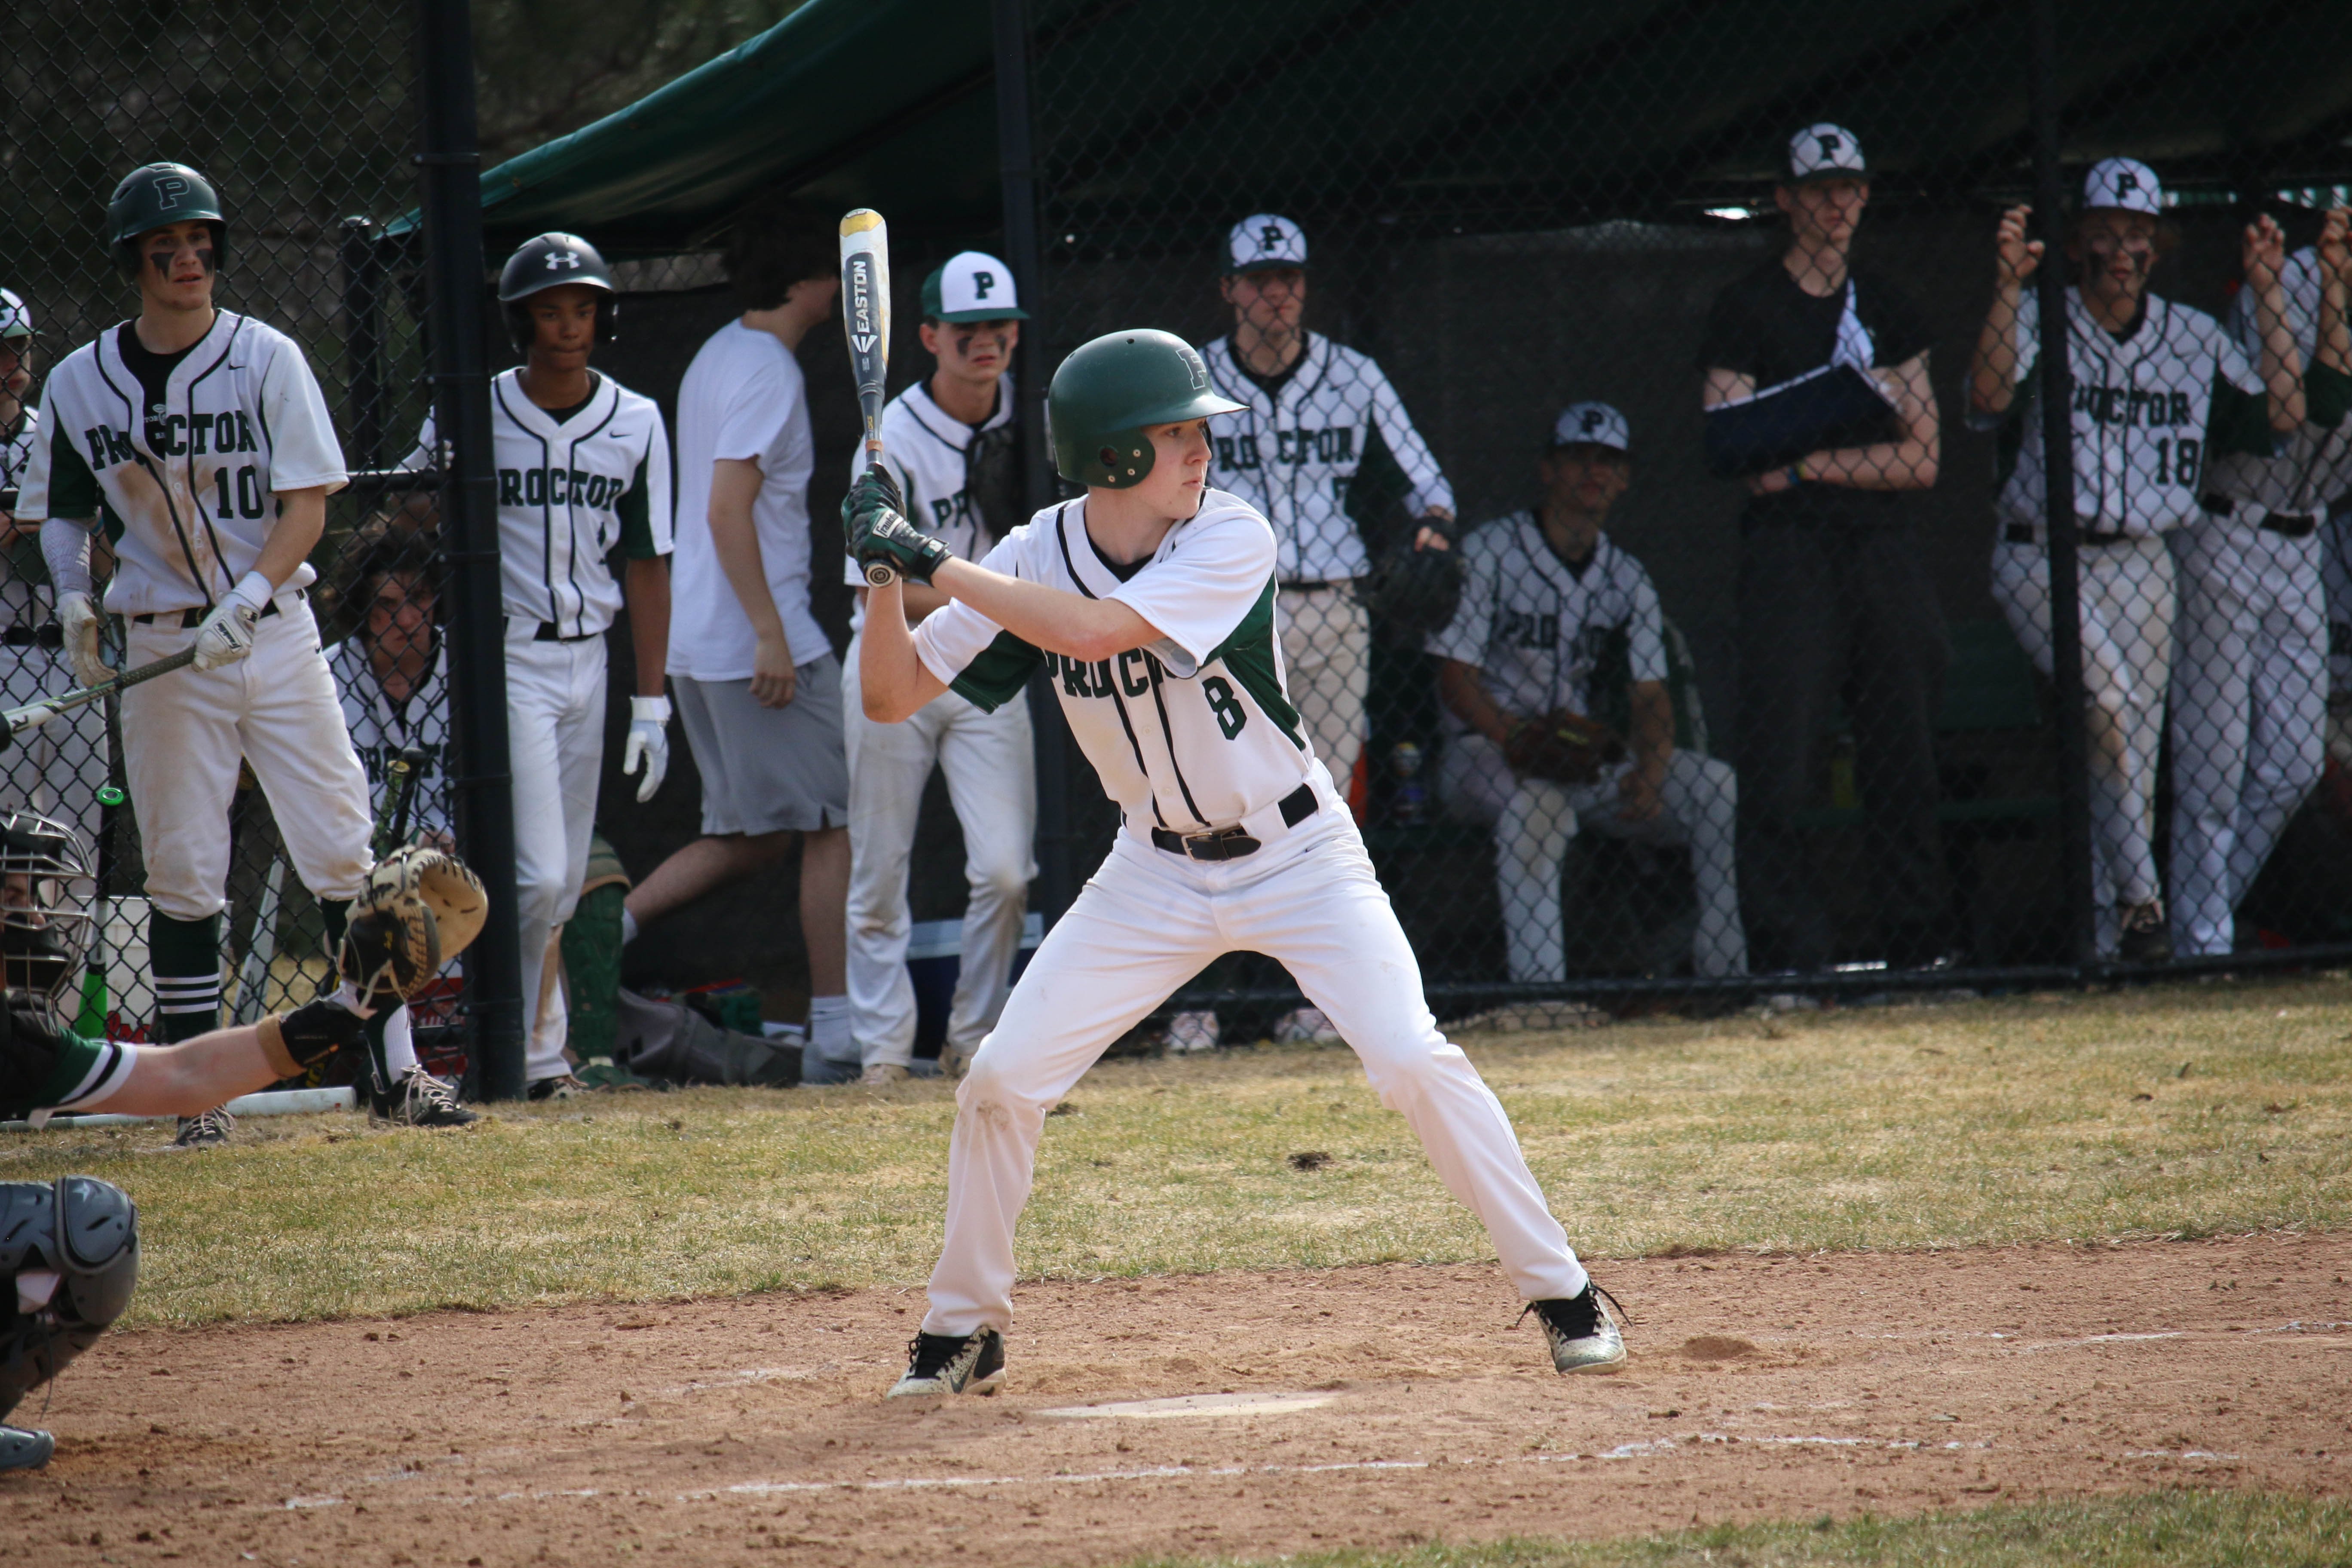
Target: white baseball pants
1535, 819
1326, 660
991, 761
2127, 607
185, 734
2249, 712
57, 769
1146, 923
555, 743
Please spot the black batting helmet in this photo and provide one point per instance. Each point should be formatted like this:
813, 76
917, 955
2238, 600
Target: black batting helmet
546, 262
154, 194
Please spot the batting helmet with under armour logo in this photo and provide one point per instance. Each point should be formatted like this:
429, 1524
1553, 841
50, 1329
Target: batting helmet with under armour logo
547, 262
155, 195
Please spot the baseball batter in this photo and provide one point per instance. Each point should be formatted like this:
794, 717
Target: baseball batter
1150, 604
584, 472
939, 438
1545, 594
57, 769
2159, 389
198, 437
2250, 673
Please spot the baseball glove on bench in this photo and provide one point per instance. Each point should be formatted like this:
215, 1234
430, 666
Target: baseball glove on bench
1564, 747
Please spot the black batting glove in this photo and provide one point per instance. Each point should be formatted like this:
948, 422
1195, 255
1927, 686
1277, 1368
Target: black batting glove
873, 515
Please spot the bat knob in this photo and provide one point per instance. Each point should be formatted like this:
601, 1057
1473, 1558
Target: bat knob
879, 575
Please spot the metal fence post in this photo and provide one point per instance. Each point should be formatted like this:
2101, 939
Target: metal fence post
363, 338
451, 163
2058, 469
1016, 171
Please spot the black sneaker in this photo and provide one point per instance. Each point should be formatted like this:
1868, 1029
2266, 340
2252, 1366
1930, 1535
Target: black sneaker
420, 1099
1583, 1334
2144, 938
951, 1364
25, 1450
209, 1130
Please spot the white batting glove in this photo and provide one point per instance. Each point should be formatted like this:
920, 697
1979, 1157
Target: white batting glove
226, 635
78, 625
648, 744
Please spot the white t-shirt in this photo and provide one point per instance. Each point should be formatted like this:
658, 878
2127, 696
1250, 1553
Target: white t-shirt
193, 484
743, 397
570, 493
1194, 732
1535, 630
381, 728
924, 447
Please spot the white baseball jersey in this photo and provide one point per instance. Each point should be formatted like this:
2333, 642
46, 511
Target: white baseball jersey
924, 447
189, 482
382, 728
23, 581
1196, 731
569, 494
2148, 410
1537, 629
2314, 467
1293, 454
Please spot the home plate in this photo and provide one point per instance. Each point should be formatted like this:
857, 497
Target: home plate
1196, 1404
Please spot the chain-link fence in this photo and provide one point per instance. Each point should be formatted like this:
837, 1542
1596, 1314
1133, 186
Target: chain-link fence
222, 806
1652, 439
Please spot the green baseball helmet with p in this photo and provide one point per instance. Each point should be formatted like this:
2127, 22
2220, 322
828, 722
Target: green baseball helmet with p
1108, 392
154, 194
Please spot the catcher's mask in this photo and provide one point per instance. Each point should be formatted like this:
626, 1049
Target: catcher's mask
47, 893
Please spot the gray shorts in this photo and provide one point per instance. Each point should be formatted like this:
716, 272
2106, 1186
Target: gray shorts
768, 770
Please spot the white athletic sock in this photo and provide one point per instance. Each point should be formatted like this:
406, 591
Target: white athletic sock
628, 926
829, 1028
399, 1045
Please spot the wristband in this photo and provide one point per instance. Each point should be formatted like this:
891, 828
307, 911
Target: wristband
654, 709
255, 589
1795, 474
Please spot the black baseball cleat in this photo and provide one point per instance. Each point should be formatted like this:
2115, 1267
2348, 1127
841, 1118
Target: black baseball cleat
1583, 1334
419, 1099
25, 1450
953, 1363
2143, 937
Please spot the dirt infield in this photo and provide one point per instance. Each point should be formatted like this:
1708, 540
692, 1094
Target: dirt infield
1363, 1406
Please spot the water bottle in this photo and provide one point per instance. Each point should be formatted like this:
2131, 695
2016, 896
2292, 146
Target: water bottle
1409, 796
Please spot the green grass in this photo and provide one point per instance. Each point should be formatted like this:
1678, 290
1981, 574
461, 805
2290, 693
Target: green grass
2179, 1112
2209, 1530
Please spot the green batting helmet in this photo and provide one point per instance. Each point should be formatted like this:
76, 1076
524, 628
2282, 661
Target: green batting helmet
1108, 392
154, 194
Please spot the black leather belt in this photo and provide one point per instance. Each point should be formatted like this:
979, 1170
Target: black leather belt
50, 636
2022, 533
192, 618
1232, 843
547, 631
1309, 584
2286, 525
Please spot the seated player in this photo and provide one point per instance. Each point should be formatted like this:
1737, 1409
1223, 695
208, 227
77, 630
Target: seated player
69, 1250
1545, 595
389, 676
1151, 603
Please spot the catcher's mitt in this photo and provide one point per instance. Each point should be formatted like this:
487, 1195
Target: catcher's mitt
418, 908
1564, 747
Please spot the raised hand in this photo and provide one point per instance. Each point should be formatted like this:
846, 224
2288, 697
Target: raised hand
2019, 257
2263, 252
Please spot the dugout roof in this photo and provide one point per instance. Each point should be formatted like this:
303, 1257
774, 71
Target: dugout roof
1489, 115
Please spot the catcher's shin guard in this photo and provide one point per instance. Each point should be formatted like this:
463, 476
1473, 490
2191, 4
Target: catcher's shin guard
78, 1238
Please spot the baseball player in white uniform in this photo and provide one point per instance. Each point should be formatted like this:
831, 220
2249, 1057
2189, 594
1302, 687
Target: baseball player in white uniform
201, 436
2249, 668
391, 675
1544, 593
1150, 602
939, 436
2159, 389
56, 770
584, 472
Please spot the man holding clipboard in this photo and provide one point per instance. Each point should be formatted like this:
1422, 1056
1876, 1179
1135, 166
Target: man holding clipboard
1816, 388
